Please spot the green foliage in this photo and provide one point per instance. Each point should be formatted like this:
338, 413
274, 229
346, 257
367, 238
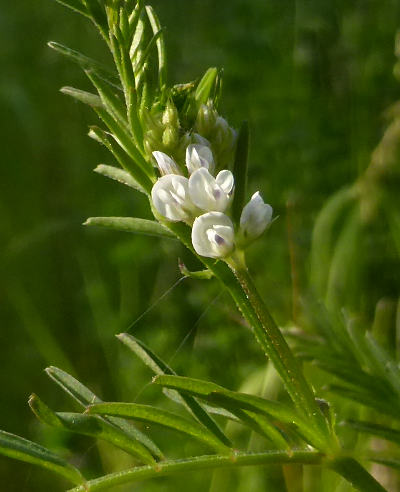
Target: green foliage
21, 449
361, 363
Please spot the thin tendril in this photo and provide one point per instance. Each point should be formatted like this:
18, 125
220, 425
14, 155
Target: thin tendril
155, 303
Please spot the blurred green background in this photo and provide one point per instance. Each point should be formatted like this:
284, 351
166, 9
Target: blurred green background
313, 78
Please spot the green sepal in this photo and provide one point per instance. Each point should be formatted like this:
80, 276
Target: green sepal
201, 274
206, 87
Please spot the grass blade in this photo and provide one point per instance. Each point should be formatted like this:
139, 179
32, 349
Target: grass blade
152, 415
240, 166
75, 5
160, 367
21, 449
84, 396
123, 159
213, 392
162, 61
386, 406
373, 429
130, 224
206, 86
86, 63
119, 175
92, 100
110, 100
89, 426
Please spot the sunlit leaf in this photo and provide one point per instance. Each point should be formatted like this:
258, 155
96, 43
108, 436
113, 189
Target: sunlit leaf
118, 175
90, 426
153, 415
84, 396
160, 367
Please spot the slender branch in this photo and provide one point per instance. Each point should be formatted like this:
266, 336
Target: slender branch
240, 286
274, 345
198, 463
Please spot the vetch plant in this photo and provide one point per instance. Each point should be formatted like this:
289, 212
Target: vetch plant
173, 146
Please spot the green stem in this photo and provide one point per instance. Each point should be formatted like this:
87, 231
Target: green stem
198, 463
354, 473
275, 347
239, 284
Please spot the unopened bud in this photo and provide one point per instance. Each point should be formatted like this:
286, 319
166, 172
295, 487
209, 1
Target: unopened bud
170, 115
206, 119
255, 218
170, 137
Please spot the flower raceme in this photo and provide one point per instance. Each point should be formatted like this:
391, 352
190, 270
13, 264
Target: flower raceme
203, 200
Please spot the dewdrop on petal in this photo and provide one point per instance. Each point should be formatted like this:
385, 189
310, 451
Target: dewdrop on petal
197, 156
255, 218
165, 164
170, 196
209, 193
213, 235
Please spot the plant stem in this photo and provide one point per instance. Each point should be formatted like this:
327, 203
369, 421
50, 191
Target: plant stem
239, 284
198, 463
275, 347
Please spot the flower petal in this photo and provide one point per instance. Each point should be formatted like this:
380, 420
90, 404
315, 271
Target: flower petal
165, 164
213, 235
255, 217
170, 196
205, 193
198, 156
226, 181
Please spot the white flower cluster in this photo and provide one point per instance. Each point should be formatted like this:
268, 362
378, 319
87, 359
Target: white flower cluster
203, 200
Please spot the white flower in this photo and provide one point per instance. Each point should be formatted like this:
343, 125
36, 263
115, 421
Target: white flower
170, 196
198, 156
255, 218
209, 193
166, 165
213, 235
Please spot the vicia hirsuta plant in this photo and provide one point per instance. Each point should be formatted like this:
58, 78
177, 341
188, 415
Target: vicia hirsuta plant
173, 145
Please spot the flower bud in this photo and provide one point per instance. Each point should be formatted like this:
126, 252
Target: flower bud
170, 115
255, 218
209, 193
165, 164
170, 137
206, 118
170, 196
152, 141
198, 156
213, 235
